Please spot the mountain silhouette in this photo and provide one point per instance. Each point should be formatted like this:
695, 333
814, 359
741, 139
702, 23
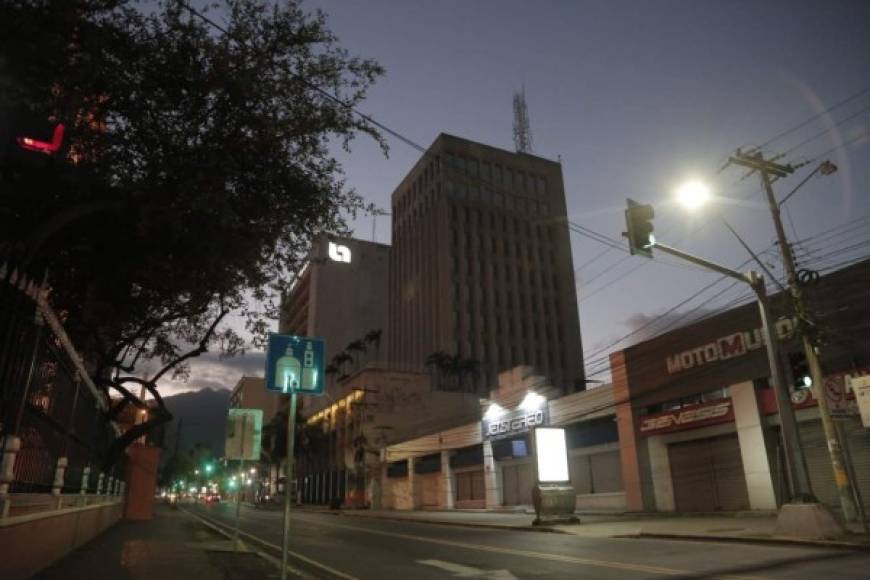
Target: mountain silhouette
202, 418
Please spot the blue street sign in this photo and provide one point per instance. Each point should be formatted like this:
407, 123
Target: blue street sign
295, 364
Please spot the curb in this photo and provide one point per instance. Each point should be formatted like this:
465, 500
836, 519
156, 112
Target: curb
545, 529
272, 560
781, 541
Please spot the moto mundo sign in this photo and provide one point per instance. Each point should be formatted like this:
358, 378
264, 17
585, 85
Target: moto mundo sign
727, 347
688, 417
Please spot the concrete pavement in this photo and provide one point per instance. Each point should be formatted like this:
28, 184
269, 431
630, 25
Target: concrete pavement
171, 546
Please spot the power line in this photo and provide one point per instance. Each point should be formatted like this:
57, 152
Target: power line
803, 124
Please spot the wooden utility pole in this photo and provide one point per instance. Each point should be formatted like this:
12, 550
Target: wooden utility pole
768, 169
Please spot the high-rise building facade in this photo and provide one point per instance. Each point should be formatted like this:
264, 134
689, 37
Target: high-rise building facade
341, 297
481, 264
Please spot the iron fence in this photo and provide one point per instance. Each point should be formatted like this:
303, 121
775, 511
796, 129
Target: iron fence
43, 398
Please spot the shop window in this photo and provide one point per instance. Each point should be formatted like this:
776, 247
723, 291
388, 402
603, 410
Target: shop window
398, 469
467, 457
428, 464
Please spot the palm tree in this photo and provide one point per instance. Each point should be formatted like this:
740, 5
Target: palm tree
330, 371
469, 367
339, 361
438, 363
357, 346
373, 337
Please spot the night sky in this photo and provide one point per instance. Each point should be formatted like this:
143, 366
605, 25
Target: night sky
634, 98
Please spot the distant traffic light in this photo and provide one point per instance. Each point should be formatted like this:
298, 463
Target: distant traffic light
638, 220
800, 371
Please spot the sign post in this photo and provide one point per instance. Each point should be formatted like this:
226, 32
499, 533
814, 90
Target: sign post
244, 434
239, 489
294, 364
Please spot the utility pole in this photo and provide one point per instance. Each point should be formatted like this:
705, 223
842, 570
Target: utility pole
767, 169
803, 516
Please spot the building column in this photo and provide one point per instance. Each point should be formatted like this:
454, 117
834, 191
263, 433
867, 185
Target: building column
491, 477
86, 475
753, 448
412, 485
628, 440
57, 484
9, 446
448, 483
660, 470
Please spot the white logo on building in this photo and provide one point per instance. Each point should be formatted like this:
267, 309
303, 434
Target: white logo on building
339, 253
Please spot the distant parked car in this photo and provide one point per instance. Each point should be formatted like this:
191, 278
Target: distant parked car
212, 498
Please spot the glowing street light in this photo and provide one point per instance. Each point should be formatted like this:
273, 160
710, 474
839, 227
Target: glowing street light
693, 194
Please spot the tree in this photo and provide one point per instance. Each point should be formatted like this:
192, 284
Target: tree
373, 338
354, 349
438, 363
339, 361
195, 173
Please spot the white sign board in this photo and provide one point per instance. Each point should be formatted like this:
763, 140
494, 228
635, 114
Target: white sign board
860, 386
551, 451
244, 432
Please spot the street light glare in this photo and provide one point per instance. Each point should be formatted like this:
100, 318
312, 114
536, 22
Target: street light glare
693, 194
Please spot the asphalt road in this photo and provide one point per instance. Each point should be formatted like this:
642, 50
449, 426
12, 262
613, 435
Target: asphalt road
329, 545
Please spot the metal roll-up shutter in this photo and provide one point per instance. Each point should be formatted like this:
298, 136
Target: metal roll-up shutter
708, 475
581, 474
606, 470
731, 492
470, 489
819, 462
692, 474
819, 459
510, 485
525, 483
517, 483
859, 453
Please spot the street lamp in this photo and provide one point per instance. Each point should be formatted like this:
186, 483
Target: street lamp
693, 194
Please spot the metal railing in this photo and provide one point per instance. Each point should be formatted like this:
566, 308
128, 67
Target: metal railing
54, 434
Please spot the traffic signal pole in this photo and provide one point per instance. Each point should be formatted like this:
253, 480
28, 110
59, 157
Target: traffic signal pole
795, 462
765, 169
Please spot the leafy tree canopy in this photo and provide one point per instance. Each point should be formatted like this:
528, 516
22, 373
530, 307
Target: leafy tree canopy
196, 166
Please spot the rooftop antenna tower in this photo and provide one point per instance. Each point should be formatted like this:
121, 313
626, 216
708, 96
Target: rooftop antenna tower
522, 130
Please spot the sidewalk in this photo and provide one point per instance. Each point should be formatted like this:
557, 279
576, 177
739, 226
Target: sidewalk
744, 526
171, 546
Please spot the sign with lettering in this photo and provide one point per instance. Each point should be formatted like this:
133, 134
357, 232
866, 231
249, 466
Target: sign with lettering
726, 347
688, 417
513, 422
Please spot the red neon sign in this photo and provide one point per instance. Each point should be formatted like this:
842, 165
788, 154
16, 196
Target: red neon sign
45, 147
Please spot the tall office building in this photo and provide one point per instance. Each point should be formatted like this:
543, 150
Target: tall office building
341, 297
481, 264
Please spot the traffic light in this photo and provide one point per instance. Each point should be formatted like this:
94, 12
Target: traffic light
800, 371
638, 219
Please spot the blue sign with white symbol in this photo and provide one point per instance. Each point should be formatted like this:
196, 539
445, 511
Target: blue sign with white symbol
295, 364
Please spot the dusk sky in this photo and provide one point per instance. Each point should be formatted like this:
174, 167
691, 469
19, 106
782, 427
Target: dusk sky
634, 98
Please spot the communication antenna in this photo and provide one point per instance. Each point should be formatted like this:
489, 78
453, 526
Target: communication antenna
522, 130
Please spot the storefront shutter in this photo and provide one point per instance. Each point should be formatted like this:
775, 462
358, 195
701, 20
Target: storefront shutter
606, 471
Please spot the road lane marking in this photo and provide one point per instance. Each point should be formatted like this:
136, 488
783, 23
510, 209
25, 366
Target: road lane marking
640, 568
333, 571
460, 571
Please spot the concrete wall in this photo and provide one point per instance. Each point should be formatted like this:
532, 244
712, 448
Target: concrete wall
30, 543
